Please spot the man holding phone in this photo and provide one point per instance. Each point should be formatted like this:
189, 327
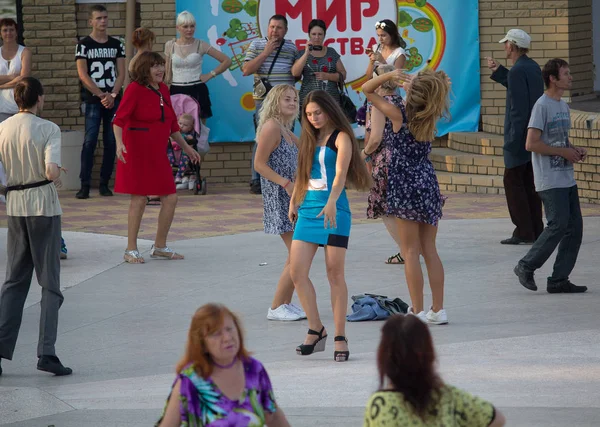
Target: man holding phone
270, 60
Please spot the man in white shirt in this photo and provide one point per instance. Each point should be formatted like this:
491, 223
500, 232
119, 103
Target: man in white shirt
30, 151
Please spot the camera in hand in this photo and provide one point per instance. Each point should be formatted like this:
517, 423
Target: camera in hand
311, 47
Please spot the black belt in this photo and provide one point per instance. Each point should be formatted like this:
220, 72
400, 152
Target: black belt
187, 83
26, 186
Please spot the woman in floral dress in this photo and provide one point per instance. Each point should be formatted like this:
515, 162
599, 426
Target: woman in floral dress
377, 151
413, 193
276, 160
218, 384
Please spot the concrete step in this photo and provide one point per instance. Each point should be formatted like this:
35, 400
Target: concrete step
470, 183
493, 124
476, 142
449, 160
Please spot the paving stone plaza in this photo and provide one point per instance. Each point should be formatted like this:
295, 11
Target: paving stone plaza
123, 327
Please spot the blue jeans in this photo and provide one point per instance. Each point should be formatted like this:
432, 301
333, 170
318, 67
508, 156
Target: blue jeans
564, 229
94, 114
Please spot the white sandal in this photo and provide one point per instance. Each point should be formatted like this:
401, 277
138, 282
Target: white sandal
164, 253
133, 257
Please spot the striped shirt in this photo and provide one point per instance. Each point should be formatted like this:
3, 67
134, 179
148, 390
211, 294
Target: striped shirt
282, 70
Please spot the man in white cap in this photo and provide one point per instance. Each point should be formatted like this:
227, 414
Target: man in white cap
524, 86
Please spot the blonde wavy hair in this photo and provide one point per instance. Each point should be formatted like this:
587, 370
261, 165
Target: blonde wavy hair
427, 100
391, 84
270, 108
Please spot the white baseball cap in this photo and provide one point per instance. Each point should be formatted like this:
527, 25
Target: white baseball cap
518, 37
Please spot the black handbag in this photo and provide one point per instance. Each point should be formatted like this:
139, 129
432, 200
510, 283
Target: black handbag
346, 103
262, 86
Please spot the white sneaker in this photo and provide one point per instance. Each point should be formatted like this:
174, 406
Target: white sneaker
283, 313
421, 315
439, 318
191, 184
181, 186
297, 309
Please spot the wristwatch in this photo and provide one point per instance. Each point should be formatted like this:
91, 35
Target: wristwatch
212, 73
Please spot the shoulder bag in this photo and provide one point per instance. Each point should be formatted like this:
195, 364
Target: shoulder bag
262, 86
345, 102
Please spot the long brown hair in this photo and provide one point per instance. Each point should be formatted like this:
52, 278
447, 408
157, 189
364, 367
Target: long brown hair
406, 357
427, 101
208, 319
358, 177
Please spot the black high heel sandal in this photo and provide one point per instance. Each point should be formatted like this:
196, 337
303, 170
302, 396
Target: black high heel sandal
341, 356
318, 345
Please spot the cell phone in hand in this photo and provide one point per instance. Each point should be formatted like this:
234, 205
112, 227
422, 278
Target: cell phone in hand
368, 51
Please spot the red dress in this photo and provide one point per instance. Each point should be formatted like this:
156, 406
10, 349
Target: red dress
147, 169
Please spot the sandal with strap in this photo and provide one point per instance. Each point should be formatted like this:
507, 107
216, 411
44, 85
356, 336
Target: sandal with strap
341, 356
133, 257
164, 253
318, 345
395, 259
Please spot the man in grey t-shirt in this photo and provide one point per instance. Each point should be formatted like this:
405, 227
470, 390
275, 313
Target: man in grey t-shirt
553, 157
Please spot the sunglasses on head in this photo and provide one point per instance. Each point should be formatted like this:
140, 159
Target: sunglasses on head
379, 25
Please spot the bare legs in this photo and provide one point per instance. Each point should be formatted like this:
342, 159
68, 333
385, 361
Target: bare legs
417, 238
392, 228
137, 207
165, 219
335, 260
301, 257
285, 286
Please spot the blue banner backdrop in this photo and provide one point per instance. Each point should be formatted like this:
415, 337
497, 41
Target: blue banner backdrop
439, 35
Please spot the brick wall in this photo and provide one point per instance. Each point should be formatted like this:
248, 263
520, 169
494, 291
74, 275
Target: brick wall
557, 28
50, 32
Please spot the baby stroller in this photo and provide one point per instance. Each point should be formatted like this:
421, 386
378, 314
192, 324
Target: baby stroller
186, 104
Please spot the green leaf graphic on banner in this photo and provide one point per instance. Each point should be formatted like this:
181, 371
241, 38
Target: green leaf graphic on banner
241, 35
251, 7
236, 24
420, 3
423, 25
232, 6
404, 19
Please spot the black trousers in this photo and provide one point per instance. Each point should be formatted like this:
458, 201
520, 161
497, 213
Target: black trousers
524, 204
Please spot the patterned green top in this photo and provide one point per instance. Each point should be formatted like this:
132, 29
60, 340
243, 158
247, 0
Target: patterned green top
454, 407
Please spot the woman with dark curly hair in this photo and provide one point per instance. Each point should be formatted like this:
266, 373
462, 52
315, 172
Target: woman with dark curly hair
411, 393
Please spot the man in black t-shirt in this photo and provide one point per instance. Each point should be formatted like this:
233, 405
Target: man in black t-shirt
101, 68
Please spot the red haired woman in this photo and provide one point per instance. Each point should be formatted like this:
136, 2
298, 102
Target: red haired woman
410, 390
218, 383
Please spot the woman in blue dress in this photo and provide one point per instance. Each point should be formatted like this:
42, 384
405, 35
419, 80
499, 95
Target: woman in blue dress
328, 162
413, 194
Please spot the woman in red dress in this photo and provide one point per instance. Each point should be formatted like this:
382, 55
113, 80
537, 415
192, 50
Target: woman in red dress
142, 125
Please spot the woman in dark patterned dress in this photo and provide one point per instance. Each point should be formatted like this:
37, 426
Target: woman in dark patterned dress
377, 151
319, 66
276, 161
413, 193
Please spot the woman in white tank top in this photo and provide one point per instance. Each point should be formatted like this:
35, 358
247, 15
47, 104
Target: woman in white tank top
184, 64
15, 63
